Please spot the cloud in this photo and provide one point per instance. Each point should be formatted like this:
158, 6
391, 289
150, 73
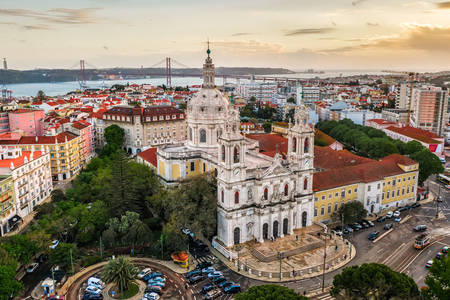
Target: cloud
357, 2
251, 46
414, 37
36, 27
303, 31
241, 33
56, 15
372, 24
443, 5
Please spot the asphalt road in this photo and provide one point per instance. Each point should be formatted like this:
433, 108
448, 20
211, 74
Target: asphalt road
439, 190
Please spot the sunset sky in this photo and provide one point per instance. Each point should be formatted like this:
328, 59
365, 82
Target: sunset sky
295, 34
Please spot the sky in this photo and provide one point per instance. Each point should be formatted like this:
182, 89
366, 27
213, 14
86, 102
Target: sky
403, 35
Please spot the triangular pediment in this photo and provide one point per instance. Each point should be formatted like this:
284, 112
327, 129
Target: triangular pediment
276, 169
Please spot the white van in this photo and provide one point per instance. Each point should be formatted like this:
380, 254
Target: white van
94, 281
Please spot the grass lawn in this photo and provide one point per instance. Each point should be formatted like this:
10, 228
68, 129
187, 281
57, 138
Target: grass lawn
133, 289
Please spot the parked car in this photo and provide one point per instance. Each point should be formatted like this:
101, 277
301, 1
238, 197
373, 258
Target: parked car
151, 296
194, 272
208, 270
373, 235
92, 290
156, 283
337, 232
356, 227
429, 264
94, 281
204, 264
396, 214
348, 229
439, 199
143, 273
370, 223
213, 294
381, 219
154, 289
420, 228
445, 249
235, 288
387, 226
32, 267
439, 255
88, 296
219, 279
195, 279
397, 219
54, 244
152, 275
225, 284
364, 224
206, 288
415, 205
215, 274
158, 278
389, 214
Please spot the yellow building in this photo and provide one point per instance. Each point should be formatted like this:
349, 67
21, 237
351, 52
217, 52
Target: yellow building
64, 150
342, 177
7, 205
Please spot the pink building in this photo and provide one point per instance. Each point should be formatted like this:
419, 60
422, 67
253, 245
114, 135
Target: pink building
86, 131
27, 121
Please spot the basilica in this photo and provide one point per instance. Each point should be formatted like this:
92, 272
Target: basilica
260, 196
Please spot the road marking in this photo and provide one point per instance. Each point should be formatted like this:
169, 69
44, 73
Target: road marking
439, 242
395, 252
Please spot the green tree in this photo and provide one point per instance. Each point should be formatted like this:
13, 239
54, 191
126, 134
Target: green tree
438, 280
7, 260
61, 255
373, 281
121, 272
351, 212
267, 127
269, 292
58, 195
115, 137
19, 247
291, 100
412, 147
41, 95
9, 285
428, 164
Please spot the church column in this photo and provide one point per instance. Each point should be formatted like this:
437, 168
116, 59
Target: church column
281, 222
291, 220
260, 229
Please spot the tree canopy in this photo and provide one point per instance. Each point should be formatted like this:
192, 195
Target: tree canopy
269, 292
373, 280
121, 272
438, 280
351, 212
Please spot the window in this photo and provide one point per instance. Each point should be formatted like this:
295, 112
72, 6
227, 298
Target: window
192, 166
336, 195
409, 178
222, 196
343, 194
378, 186
236, 154
329, 196
349, 192
329, 208
414, 177
368, 188
190, 133
316, 199
398, 192
335, 206
356, 190
407, 190
202, 136
322, 210
306, 148
286, 190
323, 197
403, 191
404, 179
389, 182
236, 197
294, 144
204, 167
412, 189
266, 194
223, 153
305, 184
315, 212
393, 194
382, 196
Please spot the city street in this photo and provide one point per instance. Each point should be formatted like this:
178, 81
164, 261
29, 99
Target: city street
439, 189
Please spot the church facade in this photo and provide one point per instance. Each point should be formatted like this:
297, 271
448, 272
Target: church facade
259, 196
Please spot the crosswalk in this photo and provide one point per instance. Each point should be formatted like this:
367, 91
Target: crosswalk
208, 257
322, 296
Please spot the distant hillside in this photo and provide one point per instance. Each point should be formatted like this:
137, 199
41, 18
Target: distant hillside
60, 75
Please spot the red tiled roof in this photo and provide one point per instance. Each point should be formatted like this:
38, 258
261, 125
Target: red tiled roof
22, 111
149, 155
52, 103
268, 141
60, 138
17, 162
415, 133
381, 121
327, 158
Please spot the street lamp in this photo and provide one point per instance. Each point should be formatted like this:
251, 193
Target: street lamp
437, 202
238, 249
280, 257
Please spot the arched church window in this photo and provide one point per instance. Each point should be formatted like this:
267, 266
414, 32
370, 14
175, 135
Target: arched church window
202, 136
294, 144
305, 184
266, 194
222, 196
236, 198
190, 133
223, 153
306, 149
236, 154
286, 189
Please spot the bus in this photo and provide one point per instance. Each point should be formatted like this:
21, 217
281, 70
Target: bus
445, 179
421, 241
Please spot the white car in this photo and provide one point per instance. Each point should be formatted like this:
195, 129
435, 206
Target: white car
143, 273
93, 290
214, 274
396, 214
54, 244
389, 214
32, 267
151, 296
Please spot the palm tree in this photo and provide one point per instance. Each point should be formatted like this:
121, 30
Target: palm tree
121, 272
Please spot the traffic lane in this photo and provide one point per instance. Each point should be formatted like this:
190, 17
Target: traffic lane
417, 268
31, 280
